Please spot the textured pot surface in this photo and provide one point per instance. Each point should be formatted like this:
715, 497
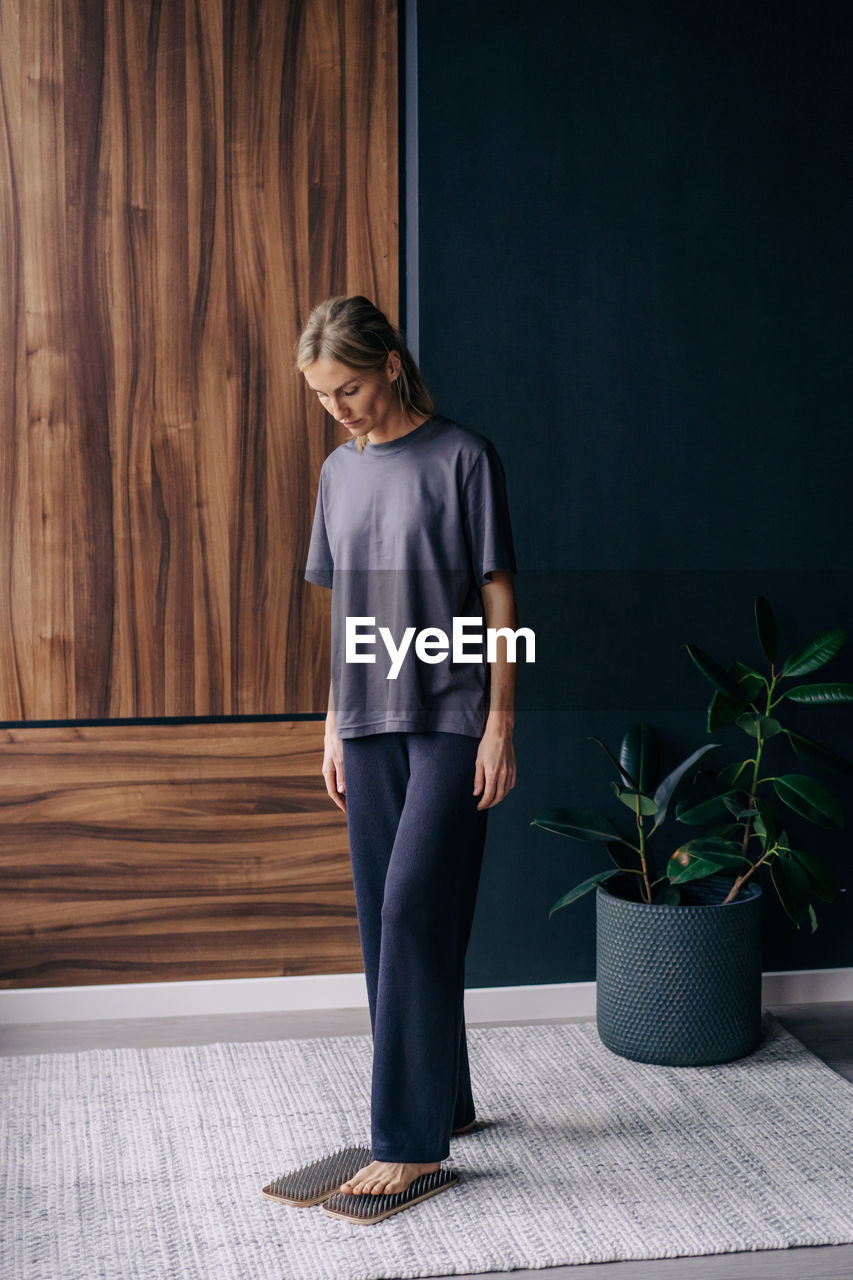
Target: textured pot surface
680, 986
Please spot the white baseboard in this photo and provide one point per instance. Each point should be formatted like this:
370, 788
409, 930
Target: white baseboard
807, 986
183, 999
348, 991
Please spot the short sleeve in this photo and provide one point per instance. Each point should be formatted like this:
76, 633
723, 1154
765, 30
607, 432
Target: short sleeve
487, 522
321, 566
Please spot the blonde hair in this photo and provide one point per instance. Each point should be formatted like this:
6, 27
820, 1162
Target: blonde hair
356, 333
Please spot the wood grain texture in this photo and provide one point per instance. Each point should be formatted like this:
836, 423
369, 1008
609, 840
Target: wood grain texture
154, 853
179, 184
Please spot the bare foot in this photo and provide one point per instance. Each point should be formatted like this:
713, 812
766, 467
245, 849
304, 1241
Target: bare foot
384, 1178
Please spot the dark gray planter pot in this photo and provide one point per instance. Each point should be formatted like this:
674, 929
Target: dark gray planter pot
680, 986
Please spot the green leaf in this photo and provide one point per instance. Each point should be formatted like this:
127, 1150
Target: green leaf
697, 813
580, 889
682, 867
766, 825
728, 776
696, 869
723, 710
726, 853
630, 798
809, 798
823, 886
792, 886
632, 782
719, 678
736, 861
755, 724
580, 824
816, 753
731, 831
820, 693
639, 755
735, 802
750, 680
814, 653
812, 917
708, 791
666, 789
672, 897
624, 856
765, 624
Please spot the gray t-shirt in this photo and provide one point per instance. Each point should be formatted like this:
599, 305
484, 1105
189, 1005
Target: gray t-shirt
407, 533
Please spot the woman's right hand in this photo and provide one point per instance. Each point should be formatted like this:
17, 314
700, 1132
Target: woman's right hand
333, 771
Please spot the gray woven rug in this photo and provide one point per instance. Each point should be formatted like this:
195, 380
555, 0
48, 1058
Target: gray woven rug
129, 1164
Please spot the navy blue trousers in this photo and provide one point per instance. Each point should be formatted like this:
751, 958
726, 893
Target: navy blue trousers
416, 842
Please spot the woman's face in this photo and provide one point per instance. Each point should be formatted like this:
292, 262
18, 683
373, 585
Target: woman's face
361, 400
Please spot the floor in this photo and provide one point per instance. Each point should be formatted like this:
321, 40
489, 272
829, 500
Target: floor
827, 1029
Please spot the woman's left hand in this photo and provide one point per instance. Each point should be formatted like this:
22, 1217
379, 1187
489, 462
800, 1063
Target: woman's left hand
494, 771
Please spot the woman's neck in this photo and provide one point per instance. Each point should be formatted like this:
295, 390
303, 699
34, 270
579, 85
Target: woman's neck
393, 429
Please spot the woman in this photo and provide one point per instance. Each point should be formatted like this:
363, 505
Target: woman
411, 529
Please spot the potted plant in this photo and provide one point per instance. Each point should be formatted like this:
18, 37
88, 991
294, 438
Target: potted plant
679, 930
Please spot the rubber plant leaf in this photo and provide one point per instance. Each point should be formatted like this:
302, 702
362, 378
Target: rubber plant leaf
814, 653
639, 755
630, 798
793, 888
728, 776
766, 824
625, 857
765, 624
666, 789
823, 886
632, 782
711, 809
719, 678
682, 867
736, 802
754, 725
732, 831
809, 798
723, 710
736, 861
580, 889
580, 824
820, 693
816, 753
702, 783
715, 847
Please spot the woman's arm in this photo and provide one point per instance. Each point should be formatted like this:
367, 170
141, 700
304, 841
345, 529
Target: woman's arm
494, 773
333, 758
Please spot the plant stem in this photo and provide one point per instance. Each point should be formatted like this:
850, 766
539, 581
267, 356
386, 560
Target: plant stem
747, 826
643, 862
741, 880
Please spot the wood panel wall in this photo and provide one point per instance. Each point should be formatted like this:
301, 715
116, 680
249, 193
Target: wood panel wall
179, 184
146, 853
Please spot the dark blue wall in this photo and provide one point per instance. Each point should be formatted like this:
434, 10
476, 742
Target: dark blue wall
635, 276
